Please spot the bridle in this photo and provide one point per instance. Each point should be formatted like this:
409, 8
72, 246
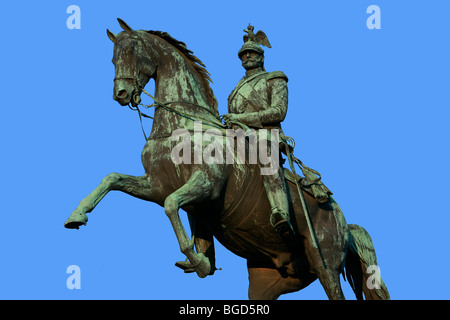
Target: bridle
136, 102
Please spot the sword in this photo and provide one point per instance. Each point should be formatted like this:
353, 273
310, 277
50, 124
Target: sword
305, 209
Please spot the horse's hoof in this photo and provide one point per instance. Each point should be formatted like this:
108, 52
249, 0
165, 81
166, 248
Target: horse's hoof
186, 266
75, 220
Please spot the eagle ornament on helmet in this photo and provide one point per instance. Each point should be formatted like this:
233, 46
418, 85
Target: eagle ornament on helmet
253, 42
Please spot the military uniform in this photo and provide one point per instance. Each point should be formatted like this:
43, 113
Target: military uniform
262, 99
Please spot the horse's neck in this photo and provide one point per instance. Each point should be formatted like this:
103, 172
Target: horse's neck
178, 84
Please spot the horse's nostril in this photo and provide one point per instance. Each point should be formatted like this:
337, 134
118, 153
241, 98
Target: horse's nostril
122, 93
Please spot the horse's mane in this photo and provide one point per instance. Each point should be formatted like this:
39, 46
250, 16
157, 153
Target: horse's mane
195, 62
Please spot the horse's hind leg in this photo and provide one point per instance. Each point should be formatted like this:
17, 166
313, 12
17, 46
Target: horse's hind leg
331, 283
138, 187
325, 262
196, 189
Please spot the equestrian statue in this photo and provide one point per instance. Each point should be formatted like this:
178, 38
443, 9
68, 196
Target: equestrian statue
287, 226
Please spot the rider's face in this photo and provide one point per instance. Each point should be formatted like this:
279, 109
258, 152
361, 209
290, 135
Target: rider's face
251, 60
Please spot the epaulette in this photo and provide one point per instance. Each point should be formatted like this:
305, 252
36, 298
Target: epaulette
276, 74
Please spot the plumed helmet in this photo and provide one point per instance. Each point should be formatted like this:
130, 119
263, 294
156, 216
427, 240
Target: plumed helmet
253, 42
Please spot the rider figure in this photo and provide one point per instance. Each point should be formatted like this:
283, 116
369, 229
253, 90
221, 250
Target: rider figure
260, 101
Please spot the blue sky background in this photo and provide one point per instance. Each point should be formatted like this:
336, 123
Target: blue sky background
368, 109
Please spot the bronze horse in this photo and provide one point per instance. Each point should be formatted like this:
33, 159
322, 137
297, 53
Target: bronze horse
226, 200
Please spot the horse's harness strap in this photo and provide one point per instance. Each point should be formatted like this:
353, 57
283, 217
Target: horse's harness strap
136, 100
165, 105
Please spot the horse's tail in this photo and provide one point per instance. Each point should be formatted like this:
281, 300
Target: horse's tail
361, 266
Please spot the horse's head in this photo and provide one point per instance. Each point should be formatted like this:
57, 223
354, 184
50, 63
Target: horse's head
134, 67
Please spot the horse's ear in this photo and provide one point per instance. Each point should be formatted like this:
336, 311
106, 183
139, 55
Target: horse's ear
111, 36
125, 27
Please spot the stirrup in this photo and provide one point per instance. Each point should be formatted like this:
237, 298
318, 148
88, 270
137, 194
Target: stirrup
282, 225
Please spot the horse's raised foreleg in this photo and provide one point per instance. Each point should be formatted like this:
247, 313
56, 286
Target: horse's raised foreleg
138, 187
196, 189
203, 243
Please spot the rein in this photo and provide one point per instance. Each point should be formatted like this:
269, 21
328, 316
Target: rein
165, 105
